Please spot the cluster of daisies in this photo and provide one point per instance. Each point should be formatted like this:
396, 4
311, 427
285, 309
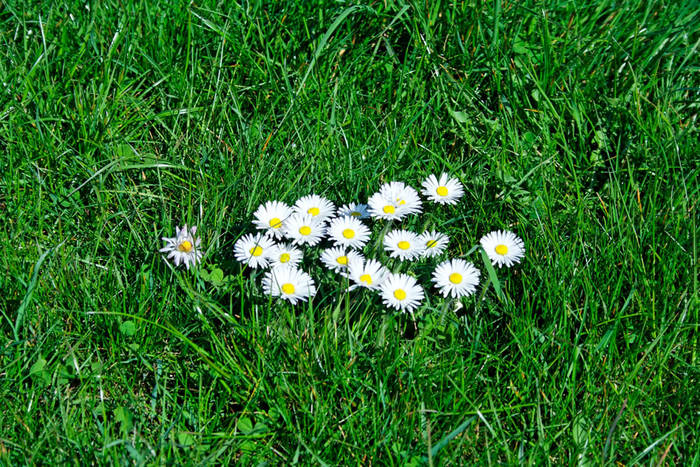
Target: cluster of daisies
313, 220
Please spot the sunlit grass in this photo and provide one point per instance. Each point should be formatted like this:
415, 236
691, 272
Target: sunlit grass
572, 125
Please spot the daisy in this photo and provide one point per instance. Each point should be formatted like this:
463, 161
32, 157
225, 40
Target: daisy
316, 206
434, 243
404, 197
184, 247
271, 217
348, 232
285, 254
402, 292
370, 274
303, 229
381, 207
254, 250
456, 278
356, 210
503, 247
289, 283
337, 258
394, 200
443, 191
403, 244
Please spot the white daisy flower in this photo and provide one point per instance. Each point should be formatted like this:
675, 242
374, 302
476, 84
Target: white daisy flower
445, 190
382, 207
356, 210
303, 229
370, 274
271, 217
254, 250
289, 283
456, 278
433, 242
409, 207
402, 292
285, 254
316, 206
338, 258
503, 247
184, 247
395, 200
404, 196
403, 244
348, 232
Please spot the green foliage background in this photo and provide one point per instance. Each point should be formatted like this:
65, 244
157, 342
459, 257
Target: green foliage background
573, 124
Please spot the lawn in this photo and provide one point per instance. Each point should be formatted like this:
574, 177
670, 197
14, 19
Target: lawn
572, 124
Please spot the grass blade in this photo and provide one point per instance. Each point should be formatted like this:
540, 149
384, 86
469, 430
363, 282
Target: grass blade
28, 294
453, 434
493, 277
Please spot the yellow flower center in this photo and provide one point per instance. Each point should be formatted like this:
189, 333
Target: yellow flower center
275, 223
502, 250
441, 190
356, 214
455, 278
288, 288
404, 245
342, 260
401, 202
256, 251
400, 294
185, 246
349, 233
366, 278
314, 211
305, 230
431, 243
284, 258
389, 209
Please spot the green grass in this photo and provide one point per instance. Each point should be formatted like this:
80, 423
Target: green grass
573, 124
